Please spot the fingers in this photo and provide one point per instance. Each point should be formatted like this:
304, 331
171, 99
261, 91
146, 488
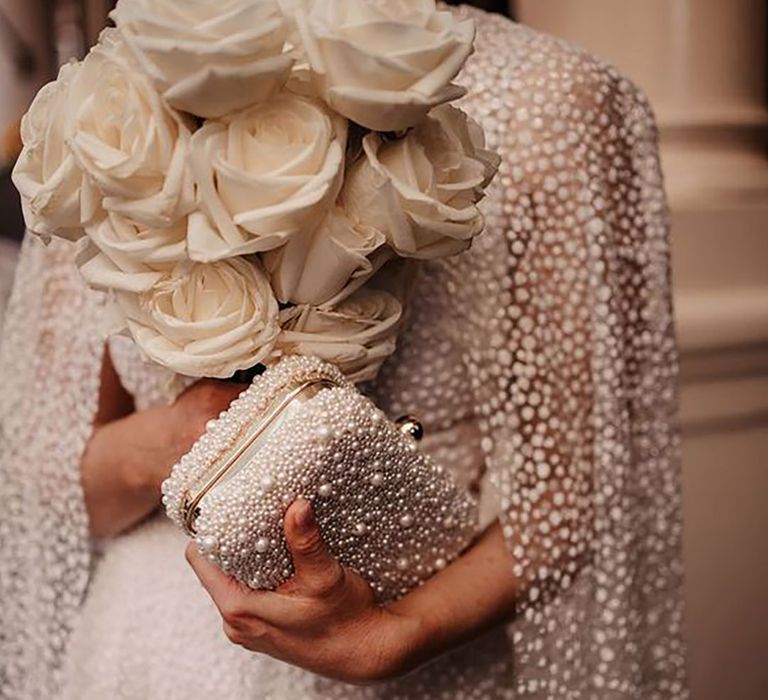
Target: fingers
213, 388
215, 396
220, 586
316, 569
318, 580
200, 403
238, 604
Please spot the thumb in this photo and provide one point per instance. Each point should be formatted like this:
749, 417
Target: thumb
315, 566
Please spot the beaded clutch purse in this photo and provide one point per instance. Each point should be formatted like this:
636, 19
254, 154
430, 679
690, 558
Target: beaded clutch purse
384, 508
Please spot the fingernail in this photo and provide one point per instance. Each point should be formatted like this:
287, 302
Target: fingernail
305, 517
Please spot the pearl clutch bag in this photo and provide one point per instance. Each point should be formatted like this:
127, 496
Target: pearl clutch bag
385, 509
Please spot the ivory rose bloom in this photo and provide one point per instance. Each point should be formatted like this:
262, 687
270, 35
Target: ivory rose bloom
208, 57
132, 148
422, 190
383, 65
46, 173
122, 255
205, 320
357, 334
313, 267
265, 175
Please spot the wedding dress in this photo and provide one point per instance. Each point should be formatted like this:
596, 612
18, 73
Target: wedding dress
543, 362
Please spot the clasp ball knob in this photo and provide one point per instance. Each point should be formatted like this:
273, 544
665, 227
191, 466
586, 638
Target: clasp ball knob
410, 426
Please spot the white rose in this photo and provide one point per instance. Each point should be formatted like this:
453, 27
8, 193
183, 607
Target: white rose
119, 254
423, 189
312, 268
132, 147
384, 65
209, 58
46, 174
357, 335
205, 320
265, 175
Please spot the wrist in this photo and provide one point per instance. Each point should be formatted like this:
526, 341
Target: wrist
160, 445
406, 643
139, 475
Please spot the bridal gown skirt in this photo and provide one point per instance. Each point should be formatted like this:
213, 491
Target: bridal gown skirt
149, 630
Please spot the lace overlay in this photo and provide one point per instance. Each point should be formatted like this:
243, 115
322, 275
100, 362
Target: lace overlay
542, 361
51, 361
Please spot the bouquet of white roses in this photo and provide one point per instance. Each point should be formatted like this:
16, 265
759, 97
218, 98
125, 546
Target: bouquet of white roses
237, 172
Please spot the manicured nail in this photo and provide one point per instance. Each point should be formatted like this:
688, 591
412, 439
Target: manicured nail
305, 517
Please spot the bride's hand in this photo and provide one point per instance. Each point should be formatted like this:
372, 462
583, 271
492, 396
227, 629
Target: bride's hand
325, 619
130, 453
201, 402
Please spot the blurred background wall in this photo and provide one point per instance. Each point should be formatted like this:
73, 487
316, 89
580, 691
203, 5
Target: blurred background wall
703, 63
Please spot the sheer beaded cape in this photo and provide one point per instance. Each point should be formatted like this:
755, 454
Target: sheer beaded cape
544, 358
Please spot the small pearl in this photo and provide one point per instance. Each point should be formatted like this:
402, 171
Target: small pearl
262, 545
406, 521
208, 543
325, 490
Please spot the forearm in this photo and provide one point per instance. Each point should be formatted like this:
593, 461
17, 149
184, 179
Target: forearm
130, 454
472, 595
120, 490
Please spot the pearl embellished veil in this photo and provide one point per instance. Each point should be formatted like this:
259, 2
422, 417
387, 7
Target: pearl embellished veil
551, 343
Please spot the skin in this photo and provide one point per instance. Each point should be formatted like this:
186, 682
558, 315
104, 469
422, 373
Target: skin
325, 619
130, 453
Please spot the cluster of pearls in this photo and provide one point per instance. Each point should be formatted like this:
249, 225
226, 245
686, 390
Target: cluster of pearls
385, 509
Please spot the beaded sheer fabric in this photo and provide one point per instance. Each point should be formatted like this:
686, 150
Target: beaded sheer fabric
543, 363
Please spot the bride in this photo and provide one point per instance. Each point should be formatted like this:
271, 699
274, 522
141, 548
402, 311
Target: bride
543, 360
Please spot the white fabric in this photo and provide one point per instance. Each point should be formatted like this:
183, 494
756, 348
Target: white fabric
548, 347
